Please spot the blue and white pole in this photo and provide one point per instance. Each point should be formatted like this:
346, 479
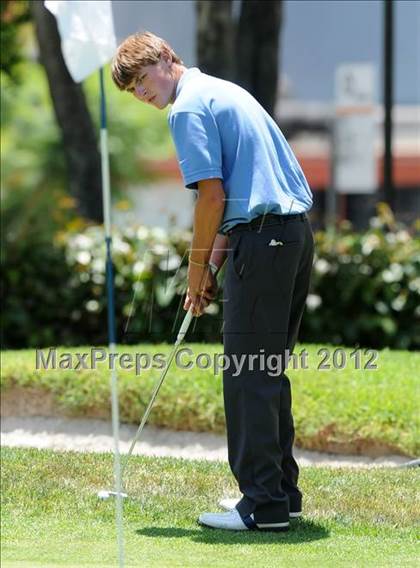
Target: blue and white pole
106, 199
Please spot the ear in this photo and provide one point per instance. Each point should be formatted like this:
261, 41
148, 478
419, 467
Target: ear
166, 57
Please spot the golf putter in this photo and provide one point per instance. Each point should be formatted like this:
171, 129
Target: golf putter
180, 337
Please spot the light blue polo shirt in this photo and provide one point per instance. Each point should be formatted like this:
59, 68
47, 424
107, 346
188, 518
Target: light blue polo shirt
221, 131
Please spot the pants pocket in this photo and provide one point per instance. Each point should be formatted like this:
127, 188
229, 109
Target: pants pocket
240, 255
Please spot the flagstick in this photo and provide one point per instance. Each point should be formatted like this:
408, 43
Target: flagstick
106, 199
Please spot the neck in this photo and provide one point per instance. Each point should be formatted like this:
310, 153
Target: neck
178, 72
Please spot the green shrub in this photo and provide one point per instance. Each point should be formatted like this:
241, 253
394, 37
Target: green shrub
56, 293
365, 288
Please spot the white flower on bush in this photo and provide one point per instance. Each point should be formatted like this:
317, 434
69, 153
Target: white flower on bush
398, 303
381, 308
118, 245
98, 278
129, 232
142, 233
365, 269
98, 265
394, 273
391, 238
119, 281
138, 288
159, 249
313, 301
138, 267
375, 223
158, 233
322, 266
81, 241
83, 257
170, 263
370, 243
345, 258
92, 305
95, 232
403, 236
414, 285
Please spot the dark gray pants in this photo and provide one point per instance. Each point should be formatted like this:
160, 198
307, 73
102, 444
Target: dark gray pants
265, 293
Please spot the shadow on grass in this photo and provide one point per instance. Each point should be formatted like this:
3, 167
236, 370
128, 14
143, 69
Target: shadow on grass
301, 530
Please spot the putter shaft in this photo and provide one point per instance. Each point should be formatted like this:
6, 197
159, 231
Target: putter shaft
181, 334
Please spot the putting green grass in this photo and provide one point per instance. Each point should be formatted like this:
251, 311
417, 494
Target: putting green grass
51, 516
345, 410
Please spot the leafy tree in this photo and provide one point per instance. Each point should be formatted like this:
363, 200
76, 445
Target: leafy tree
12, 15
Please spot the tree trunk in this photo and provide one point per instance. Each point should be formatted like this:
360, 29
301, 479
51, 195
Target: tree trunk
215, 37
245, 52
78, 134
257, 47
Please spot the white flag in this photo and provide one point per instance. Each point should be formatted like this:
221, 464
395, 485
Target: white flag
87, 34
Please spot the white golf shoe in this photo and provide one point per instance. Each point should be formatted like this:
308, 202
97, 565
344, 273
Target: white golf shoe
231, 521
230, 503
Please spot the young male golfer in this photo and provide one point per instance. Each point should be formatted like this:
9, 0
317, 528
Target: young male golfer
251, 202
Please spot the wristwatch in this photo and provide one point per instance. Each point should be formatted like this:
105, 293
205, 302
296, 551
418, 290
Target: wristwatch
213, 267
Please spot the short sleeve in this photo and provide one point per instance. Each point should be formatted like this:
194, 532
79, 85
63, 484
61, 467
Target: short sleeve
198, 147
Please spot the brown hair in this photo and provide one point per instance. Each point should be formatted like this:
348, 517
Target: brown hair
135, 52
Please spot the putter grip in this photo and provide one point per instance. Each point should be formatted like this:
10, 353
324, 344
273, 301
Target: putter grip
185, 325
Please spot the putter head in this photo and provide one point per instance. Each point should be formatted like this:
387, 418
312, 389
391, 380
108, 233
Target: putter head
107, 494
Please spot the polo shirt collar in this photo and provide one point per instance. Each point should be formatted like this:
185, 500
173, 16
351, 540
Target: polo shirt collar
185, 77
